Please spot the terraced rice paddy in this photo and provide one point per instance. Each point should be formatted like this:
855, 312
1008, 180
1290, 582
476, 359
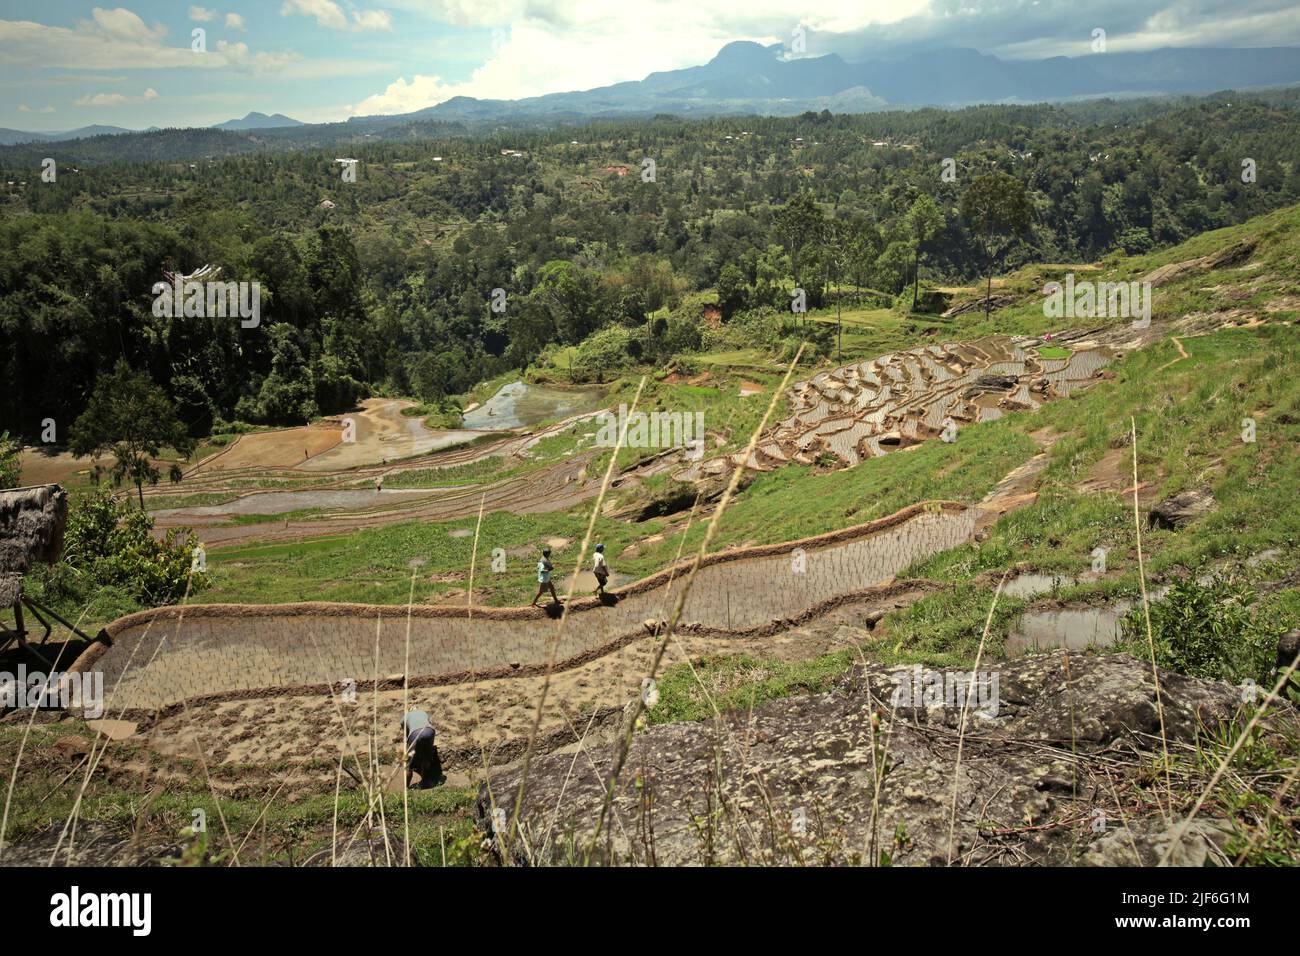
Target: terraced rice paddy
161, 658
867, 409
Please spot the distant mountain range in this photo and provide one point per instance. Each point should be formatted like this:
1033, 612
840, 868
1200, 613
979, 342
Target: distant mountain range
10, 137
749, 78
259, 121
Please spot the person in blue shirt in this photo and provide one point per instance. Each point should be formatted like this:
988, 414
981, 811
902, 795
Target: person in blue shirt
544, 569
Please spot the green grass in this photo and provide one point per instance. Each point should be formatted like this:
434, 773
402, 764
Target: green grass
1189, 428
745, 359
296, 824
1188, 419
1053, 352
434, 416
739, 682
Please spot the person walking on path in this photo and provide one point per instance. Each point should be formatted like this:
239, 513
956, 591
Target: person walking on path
600, 568
544, 569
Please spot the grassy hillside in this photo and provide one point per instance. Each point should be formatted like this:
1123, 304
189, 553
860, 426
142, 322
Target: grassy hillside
1189, 413
1187, 401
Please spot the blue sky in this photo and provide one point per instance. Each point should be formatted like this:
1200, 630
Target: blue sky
66, 64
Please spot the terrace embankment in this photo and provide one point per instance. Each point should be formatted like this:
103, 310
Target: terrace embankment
162, 657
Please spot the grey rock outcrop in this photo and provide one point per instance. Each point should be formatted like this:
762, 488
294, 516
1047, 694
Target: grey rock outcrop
863, 773
1182, 509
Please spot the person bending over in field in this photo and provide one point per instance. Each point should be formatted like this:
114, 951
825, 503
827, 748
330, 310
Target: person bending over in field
421, 751
544, 569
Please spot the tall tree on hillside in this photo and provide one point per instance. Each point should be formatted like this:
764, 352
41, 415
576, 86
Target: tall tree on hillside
800, 225
732, 290
864, 248
335, 278
995, 205
573, 295
923, 221
839, 235
530, 328
287, 394
133, 419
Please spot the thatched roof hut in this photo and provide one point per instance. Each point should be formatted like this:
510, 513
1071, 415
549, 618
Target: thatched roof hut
32, 521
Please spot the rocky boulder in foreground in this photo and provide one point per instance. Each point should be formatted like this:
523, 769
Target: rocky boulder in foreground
1182, 509
1049, 778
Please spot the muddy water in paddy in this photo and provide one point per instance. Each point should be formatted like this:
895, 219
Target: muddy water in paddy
519, 404
1032, 585
384, 434
1073, 628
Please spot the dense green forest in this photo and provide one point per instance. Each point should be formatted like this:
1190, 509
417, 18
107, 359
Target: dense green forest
388, 283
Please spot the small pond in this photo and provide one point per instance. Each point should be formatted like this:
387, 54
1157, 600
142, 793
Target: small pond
519, 404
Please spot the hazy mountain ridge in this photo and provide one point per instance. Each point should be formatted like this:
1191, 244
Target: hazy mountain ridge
746, 78
251, 121
256, 120
10, 137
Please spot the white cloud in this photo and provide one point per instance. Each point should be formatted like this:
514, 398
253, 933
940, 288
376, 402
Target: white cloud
119, 39
330, 15
24, 108
732, 17
202, 14
61, 79
1229, 28
121, 24
235, 22
403, 96
373, 20
110, 40
239, 56
326, 13
115, 99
